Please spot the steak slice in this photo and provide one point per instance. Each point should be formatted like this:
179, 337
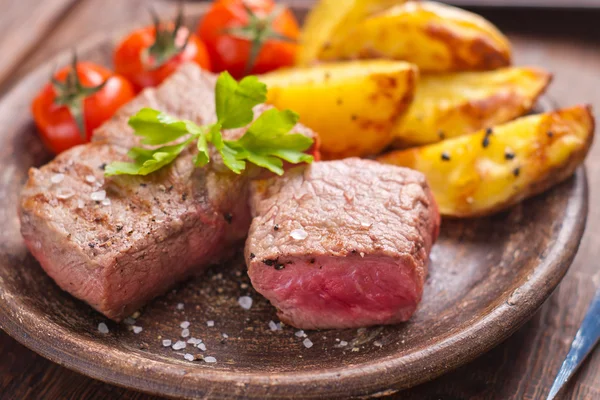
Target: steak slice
342, 244
149, 232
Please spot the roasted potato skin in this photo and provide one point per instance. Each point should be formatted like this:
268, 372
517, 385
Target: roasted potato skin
352, 106
329, 18
488, 171
435, 37
455, 104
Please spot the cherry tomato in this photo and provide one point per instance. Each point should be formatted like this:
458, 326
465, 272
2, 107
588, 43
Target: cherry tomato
249, 36
147, 58
68, 109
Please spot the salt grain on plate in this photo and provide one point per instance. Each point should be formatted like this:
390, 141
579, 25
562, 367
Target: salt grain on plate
343, 343
201, 346
90, 179
245, 302
210, 323
298, 234
179, 345
274, 326
185, 333
307, 343
137, 329
64, 194
102, 328
189, 357
300, 333
166, 343
180, 306
226, 336
129, 321
57, 178
106, 202
210, 359
99, 195
377, 343
80, 203
193, 341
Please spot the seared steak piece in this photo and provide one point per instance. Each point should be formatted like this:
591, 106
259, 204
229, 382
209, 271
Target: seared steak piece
117, 243
342, 244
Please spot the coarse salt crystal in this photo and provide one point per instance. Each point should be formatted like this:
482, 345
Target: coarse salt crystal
166, 343
362, 255
57, 178
102, 328
129, 321
64, 194
137, 329
193, 341
210, 359
274, 326
377, 343
90, 179
80, 203
99, 195
307, 343
210, 323
179, 345
245, 302
298, 234
185, 333
180, 306
185, 324
201, 346
226, 336
106, 202
343, 343
300, 333
366, 224
189, 357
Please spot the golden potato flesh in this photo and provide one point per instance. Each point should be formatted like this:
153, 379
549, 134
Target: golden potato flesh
455, 104
352, 106
435, 37
329, 18
490, 170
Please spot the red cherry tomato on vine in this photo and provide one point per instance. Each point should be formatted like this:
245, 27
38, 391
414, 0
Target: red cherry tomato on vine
149, 55
68, 109
249, 36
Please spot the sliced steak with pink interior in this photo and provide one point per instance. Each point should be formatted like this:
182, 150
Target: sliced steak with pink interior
342, 244
117, 243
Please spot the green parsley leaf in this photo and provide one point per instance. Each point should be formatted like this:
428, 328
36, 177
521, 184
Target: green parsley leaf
267, 141
146, 161
157, 127
234, 101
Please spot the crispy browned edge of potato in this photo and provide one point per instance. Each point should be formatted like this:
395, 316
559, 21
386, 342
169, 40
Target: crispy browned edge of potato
482, 109
553, 176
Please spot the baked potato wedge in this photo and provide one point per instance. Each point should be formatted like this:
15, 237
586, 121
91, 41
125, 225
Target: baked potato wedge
352, 106
455, 104
329, 18
435, 37
490, 170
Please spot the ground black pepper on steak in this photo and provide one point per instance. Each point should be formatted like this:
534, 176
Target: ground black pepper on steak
118, 252
352, 243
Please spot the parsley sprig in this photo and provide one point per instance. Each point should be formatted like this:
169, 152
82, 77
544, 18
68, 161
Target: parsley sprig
266, 143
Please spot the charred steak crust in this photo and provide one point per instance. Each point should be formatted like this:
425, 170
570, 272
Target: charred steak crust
342, 244
118, 252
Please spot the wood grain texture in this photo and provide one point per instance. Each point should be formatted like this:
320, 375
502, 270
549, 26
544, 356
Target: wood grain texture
521, 368
23, 24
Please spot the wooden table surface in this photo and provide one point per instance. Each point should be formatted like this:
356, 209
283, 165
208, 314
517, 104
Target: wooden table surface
565, 42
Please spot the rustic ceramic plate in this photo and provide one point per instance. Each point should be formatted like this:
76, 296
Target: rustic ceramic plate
487, 277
